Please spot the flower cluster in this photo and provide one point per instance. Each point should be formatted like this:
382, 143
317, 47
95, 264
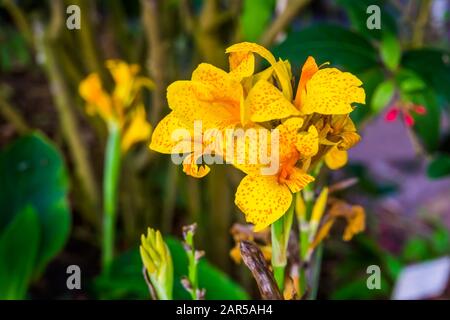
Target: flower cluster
122, 107
311, 125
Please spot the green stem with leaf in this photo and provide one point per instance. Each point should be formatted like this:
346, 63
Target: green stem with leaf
280, 237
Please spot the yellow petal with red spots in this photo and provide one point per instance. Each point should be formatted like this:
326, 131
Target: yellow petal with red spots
331, 91
265, 102
171, 135
336, 158
223, 87
288, 132
297, 180
242, 64
307, 143
193, 100
252, 47
284, 75
262, 199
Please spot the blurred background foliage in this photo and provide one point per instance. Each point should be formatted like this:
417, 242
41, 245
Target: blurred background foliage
52, 151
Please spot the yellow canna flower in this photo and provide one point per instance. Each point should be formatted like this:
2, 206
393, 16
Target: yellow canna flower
314, 126
98, 101
122, 107
327, 91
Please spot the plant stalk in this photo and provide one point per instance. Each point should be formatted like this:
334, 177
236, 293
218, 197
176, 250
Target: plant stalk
110, 187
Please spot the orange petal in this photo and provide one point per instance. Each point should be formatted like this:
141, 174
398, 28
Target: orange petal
308, 70
298, 180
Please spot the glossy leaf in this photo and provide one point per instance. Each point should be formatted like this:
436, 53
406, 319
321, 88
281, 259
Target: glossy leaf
383, 95
433, 66
33, 174
19, 243
390, 50
327, 42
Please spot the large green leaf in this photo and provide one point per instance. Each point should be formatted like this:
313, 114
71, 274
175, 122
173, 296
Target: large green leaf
433, 66
326, 42
126, 280
19, 244
256, 14
33, 174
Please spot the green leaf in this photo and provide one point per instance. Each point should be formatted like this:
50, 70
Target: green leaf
357, 289
416, 249
327, 42
441, 240
409, 81
19, 244
394, 266
256, 14
439, 167
390, 50
126, 280
433, 66
32, 173
383, 95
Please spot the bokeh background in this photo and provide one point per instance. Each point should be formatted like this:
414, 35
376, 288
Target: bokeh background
52, 153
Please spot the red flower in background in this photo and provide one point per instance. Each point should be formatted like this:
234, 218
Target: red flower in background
404, 111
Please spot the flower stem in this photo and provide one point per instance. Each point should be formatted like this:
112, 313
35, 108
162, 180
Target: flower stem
110, 183
280, 237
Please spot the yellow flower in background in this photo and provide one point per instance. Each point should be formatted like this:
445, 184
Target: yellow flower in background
98, 101
122, 107
354, 216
